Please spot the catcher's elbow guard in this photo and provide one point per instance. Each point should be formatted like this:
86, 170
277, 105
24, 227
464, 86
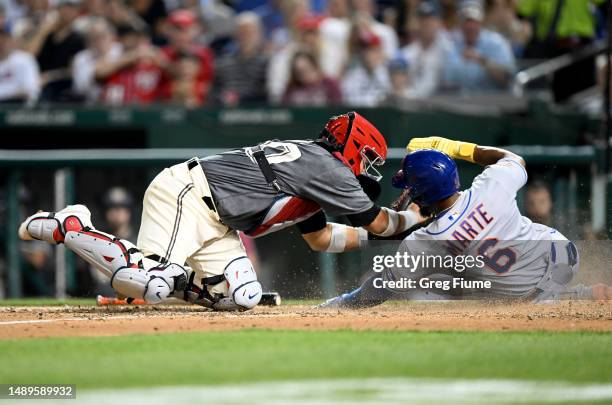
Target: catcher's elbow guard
244, 289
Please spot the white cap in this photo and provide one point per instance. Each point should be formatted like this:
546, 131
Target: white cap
471, 10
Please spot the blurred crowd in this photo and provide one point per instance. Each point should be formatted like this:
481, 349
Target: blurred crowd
290, 52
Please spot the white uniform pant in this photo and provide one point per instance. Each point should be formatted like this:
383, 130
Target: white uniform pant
178, 225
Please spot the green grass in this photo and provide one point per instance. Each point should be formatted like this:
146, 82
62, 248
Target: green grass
265, 355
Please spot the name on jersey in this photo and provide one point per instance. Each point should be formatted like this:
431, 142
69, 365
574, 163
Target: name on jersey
477, 220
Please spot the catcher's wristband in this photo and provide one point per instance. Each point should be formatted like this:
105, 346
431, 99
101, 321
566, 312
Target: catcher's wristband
337, 239
394, 225
362, 236
454, 149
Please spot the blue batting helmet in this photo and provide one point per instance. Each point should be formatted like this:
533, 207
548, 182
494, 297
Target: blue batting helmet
428, 175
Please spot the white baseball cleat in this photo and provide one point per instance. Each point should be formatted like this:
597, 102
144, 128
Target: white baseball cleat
52, 226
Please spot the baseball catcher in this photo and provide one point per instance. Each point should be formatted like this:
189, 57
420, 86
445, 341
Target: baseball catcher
188, 245
520, 259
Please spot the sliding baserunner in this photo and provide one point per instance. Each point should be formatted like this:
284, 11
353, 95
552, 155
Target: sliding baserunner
519, 259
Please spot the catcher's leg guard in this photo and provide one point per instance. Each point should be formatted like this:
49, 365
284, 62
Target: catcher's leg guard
154, 286
244, 289
52, 226
102, 250
131, 274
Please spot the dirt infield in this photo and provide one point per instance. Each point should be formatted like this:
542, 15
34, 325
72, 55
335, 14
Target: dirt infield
37, 322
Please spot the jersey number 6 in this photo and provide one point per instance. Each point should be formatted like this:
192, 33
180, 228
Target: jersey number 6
500, 260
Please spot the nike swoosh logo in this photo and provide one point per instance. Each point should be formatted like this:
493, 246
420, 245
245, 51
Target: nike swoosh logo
252, 296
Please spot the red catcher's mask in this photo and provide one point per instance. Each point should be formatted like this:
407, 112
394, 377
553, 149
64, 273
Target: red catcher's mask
357, 143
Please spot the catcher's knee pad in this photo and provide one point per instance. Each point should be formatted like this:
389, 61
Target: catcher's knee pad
154, 285
243, 288
103, 251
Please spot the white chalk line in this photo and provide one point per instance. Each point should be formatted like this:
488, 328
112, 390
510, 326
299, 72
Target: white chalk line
367, 391
33, 321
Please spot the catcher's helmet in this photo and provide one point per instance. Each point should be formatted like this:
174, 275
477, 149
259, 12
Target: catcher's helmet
428, 175
357, 143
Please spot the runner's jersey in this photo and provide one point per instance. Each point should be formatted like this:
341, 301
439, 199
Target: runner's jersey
311, 180
516, 248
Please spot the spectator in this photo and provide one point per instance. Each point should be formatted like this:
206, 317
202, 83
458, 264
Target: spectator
501, 17
367, 82
219, 20
32, 17
448, 11
307, 40
480, 60
294, 12
561, 27
334, 31
538, 203
308, 86
183, 29
318, 6
407, 21
37, 271
271, 15
3, 17
10, 11
118, 205
388, 15
387, 35
91, 12
135, 76
19, 77
95, 8
55, 44
185, 89
153, 13
241, 76
425, 55
400, 81
121, 15
101, 48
